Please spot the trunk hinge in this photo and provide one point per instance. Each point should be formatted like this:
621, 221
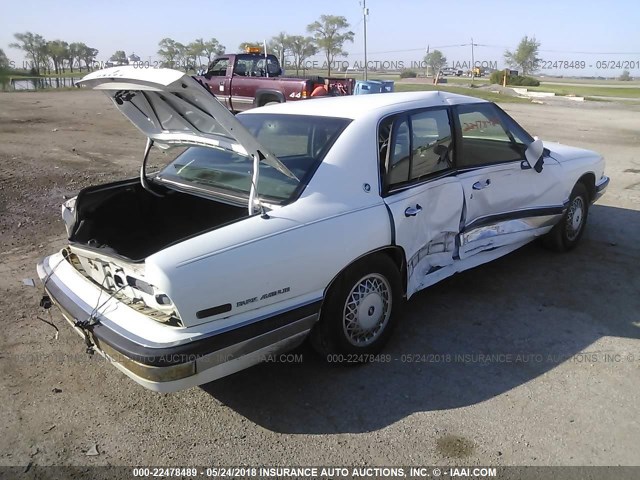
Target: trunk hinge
254, 183
253, 193
143, 174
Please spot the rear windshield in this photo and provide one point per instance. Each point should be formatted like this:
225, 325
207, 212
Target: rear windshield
299, 141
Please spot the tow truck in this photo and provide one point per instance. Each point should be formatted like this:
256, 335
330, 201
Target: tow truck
253, 79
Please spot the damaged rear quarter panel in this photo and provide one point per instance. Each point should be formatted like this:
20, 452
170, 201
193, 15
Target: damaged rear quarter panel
245, 263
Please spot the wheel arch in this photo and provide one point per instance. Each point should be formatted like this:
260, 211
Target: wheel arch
589, 181
394, 252
263, 96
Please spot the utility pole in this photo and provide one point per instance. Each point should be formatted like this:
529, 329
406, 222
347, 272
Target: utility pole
473, 66
427, 66
365, 12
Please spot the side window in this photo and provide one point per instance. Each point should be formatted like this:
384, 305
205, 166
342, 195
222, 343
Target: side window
219, 67
420, 146
484, 137
243, 67
400, 154
273, 69
431, 143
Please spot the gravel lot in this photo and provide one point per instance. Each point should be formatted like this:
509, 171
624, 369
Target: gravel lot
570, 323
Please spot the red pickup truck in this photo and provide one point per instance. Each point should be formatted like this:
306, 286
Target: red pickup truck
246, 80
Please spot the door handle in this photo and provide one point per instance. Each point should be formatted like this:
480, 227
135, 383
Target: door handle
480, 185
412, 211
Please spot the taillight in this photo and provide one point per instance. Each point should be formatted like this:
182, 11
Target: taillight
304, 93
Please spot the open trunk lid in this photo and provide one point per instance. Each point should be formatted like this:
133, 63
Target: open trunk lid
173, 109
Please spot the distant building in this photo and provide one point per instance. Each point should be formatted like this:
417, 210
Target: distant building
133, 58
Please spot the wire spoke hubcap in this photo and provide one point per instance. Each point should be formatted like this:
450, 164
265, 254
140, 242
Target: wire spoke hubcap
367, 310
575, 218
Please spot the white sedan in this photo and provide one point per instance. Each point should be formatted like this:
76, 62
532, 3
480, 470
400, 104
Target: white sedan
309, 219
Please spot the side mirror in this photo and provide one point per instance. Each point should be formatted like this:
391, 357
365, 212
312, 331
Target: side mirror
533, 155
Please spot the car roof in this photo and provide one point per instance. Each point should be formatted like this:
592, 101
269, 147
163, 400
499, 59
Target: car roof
361, 106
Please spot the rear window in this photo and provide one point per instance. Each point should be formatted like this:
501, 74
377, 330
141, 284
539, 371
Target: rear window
300, 142
254, 66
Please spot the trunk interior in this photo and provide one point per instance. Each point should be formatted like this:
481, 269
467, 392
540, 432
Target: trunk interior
125, 219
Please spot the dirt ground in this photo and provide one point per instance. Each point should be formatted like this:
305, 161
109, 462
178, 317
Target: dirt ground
570, 323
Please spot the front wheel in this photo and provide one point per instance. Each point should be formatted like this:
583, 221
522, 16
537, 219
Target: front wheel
567, 233
360, 309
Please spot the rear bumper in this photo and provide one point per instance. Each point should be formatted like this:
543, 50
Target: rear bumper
601, 187
169, 368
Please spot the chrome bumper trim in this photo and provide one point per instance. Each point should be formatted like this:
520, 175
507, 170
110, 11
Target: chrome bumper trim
601, 188
239, 347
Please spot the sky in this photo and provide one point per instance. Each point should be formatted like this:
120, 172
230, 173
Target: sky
397, 31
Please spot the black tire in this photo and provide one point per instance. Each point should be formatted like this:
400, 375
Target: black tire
339, 330
270, 103
567, 233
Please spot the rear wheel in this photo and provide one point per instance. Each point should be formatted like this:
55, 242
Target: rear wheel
567, 233
360, 309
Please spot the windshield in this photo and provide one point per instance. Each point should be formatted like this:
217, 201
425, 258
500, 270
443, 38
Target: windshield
300, 142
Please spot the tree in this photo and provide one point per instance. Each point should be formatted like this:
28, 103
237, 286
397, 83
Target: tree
279, 46
625, 77
73, 54
45, 64
57, 50
169, 52
212, 48
4, 60
182, 56
34, 47
88, 55
173, 53
330, 36
194, 51
301, 48
525, 57
436, 60
119, 57
244, 45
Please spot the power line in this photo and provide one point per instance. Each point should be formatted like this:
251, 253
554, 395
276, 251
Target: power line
591, 53
495, 46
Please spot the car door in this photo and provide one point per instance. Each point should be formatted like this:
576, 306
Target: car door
421, 191
505, 200
218, 80
244, 82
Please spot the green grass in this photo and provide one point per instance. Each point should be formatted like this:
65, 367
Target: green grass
598, 99
588, 81
17, 75
467, 80
473, 92
590, 91
40, 90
